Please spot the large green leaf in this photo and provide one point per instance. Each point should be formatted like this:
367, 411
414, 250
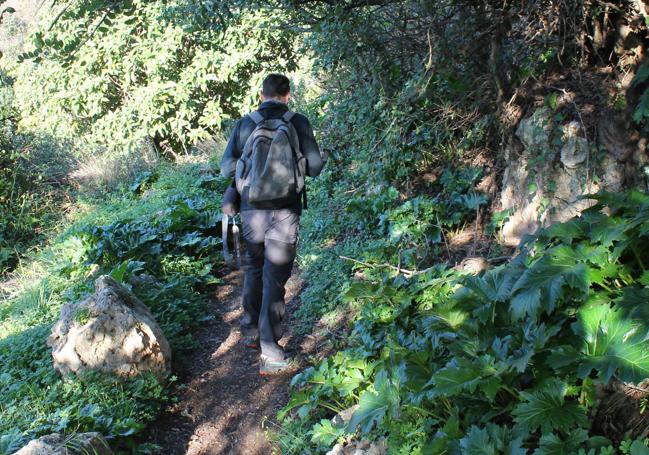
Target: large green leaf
614, 343
608, 229
547, 409
496, 285
552, 444
492, 439
527, 302
325, 433
477, 442
564, 232
463, 375
373, 405
634, 302
540, 287
458, 376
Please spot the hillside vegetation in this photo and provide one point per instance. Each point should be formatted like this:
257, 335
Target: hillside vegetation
112, 120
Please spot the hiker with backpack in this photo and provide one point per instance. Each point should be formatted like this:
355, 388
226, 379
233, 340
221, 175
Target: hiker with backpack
269, 154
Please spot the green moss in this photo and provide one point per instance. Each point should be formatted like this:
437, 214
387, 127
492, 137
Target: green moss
82, 315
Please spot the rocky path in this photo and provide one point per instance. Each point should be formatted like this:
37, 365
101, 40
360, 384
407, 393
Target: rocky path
224, 405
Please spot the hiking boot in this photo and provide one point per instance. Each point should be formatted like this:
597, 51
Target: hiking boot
269, 366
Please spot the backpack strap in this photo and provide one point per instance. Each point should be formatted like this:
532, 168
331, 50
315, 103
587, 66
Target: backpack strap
256, 117
288, 115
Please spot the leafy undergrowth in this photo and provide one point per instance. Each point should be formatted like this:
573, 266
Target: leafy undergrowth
506, 362
378, 228
166, 224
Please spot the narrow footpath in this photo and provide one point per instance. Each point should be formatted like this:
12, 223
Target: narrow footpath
224, 405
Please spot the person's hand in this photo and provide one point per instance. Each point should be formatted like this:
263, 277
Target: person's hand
231, 201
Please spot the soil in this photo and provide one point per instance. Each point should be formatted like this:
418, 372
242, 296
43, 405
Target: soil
224, 406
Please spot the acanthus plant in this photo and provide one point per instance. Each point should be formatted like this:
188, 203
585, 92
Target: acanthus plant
507, 362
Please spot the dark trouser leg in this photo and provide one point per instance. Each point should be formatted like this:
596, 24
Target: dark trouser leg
279, 254
252, 281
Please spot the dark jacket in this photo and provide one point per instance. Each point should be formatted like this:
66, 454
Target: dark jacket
245, 126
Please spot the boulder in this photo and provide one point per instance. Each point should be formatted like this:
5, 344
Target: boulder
111, 331
75, 444
547, 176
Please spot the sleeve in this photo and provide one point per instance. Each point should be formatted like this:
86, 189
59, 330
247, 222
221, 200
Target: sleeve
231, 154
309, 146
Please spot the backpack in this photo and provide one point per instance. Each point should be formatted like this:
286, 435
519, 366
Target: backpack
271, 170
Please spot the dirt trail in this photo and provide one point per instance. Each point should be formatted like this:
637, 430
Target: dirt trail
223, 402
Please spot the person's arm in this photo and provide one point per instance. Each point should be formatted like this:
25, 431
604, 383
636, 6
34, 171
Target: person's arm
231, 201
308, 145
231, 154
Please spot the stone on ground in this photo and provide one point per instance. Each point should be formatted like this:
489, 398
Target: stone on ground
111, 331
360, 448
76, 444
474, 265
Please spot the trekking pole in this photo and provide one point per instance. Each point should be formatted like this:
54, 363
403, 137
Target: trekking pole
237, 243
224, 235
227, 254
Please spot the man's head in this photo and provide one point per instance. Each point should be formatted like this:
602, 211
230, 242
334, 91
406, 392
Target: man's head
276, 87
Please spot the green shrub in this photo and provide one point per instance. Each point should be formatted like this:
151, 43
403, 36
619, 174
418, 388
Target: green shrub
162, 226
507, 361
166, 72
31, 170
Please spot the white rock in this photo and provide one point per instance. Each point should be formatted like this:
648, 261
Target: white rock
344, 416
58, 444
524, 221
534, 131
363, 447
111, 331
540, 190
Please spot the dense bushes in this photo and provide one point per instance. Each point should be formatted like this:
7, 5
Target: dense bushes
411, 89
415, 99
31, 170
118, 74
509, 361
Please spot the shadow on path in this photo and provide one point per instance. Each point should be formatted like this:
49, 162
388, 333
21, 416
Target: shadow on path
222, 399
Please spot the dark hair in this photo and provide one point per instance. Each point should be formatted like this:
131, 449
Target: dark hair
276, 85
